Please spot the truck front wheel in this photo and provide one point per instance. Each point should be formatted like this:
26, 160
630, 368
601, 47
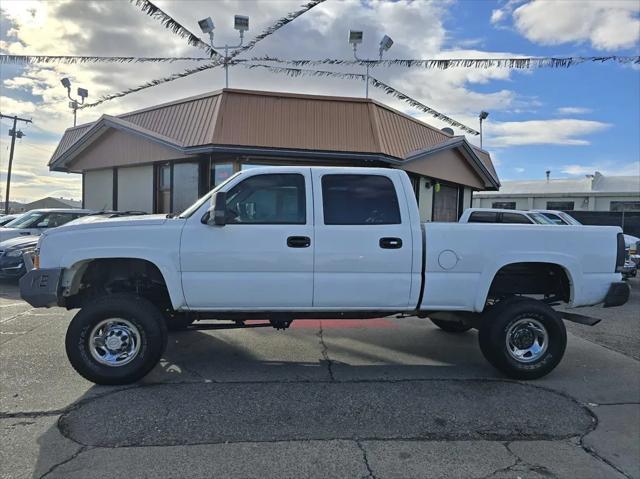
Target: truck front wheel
116, 339
523, 338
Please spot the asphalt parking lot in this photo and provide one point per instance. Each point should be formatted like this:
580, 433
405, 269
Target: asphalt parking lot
384, 398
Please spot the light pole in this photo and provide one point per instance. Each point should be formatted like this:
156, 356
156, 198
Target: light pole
355, 38
483, 116
73, 104
240, 23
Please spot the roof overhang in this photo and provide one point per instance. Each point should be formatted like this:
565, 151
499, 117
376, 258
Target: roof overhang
101, 126
460, 144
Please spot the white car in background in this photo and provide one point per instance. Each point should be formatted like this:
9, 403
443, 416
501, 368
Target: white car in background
495, 215
5, 219
558, 217
35, 222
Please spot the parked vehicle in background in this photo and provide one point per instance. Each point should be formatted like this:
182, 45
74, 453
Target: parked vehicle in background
13, 263
558, 217
34, 222
491, 215
4, 219
285, 243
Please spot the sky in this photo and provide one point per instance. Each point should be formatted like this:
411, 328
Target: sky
572, 121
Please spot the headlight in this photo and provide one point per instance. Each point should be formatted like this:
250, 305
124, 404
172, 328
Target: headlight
19, 252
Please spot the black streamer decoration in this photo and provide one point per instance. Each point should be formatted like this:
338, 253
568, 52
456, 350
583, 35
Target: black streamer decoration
151, 83
276, 26
79, 59
170, 23
444, 64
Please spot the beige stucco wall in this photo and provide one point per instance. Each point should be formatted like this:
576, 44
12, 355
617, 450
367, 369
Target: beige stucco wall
119, 148
98, 189
448, 165
135, 188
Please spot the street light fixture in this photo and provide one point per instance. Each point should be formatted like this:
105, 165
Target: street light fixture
483, 116
355, 38
73, 104
240, 23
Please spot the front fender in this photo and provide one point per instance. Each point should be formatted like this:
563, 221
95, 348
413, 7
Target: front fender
166, 262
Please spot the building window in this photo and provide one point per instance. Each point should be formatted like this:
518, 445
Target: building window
560, 205
624, 206
220, 172
268, 199
445, 203
164, 189
359, 200
503, 205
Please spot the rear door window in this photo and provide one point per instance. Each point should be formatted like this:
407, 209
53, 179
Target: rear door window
359, 200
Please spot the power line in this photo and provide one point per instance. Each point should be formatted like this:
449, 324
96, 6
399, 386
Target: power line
14, 133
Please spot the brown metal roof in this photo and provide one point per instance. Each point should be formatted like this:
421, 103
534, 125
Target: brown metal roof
231, 117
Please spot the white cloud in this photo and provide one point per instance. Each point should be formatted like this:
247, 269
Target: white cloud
606, 24
519, 170
572, 110
497, 15
541, 132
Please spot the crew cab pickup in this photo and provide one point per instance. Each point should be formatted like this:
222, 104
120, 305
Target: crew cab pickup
285, 243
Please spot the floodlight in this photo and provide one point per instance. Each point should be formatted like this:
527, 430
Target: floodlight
355, 37
241, 23
66, 83
83, 93
206, 25
484, 115
385, 43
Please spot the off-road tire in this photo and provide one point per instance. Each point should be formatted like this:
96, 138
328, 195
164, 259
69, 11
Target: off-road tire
451, 326
492, 336
149, 322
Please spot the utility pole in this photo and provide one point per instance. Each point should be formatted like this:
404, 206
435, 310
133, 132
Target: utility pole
12, 133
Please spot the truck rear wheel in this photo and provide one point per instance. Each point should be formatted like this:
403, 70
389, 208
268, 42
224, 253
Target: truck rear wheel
116, 339
451, 326
523, 338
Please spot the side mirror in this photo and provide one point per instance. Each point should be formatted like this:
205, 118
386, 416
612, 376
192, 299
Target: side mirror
218, 214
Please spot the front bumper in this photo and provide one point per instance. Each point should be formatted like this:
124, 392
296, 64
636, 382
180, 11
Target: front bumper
617, 295
40, 287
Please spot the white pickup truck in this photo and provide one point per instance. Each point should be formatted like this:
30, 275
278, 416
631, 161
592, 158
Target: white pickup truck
284, 243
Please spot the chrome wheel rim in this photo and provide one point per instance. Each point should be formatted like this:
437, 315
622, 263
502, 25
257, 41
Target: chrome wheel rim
114, 342
527, 340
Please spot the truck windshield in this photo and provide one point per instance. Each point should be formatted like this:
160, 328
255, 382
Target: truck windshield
540, 219
196, 206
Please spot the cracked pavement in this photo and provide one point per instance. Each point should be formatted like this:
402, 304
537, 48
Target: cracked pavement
384, 398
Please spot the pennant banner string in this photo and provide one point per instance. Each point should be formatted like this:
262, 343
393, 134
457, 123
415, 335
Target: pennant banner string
276, 26
446, 63
170, 23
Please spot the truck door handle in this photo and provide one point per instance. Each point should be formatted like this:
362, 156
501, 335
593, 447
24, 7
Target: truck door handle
390, 243
298, 241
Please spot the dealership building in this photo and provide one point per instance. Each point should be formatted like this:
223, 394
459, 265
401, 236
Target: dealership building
161, 159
